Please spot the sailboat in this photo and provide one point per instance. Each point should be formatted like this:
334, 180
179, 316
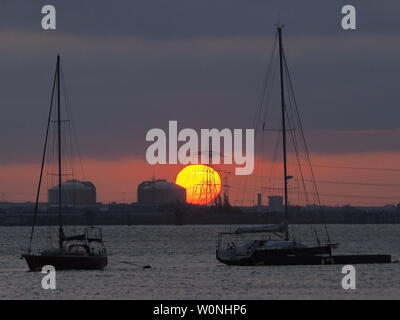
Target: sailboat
81, 251
282, 249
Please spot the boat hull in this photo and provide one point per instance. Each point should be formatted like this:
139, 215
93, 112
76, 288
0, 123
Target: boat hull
66, 262
307, 260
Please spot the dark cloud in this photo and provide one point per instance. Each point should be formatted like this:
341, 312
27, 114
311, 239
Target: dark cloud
192, 18
133, 65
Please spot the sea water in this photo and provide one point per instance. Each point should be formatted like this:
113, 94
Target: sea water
183, 266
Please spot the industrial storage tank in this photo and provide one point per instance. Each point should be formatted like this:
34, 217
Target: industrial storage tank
74, 193
160, 192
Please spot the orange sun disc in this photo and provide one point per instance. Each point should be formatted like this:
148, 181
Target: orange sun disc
202, 183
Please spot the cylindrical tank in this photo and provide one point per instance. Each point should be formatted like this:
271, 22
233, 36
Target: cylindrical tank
74, 193
160, 192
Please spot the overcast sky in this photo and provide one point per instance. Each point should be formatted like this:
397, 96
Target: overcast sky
133, 65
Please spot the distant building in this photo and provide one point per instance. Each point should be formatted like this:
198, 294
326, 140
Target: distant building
73, 193
160, 192
275, 203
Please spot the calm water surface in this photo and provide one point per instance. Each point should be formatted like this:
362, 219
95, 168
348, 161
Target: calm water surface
184, 267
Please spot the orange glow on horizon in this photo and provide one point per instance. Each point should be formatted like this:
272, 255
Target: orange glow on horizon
117, 180
202, 183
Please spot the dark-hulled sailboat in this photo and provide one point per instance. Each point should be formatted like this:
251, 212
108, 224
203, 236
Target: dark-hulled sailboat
84, 251
282, 250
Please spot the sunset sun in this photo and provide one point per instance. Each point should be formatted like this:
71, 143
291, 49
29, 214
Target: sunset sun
202, 183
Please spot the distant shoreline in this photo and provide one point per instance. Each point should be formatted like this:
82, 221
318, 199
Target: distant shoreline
209, 218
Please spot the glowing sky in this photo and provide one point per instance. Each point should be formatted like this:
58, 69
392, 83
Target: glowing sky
134, 65
117, 180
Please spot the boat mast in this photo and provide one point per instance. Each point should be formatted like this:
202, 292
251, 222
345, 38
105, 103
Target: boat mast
285, 175
43, 162
60, 228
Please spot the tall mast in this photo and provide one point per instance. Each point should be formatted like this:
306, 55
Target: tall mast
43, 162
285, 175
60, 228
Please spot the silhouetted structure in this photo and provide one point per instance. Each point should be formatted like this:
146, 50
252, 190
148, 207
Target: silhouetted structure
275, 203
157, 192
73, 193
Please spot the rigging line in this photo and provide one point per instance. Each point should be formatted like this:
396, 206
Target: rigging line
60, 220
299, 120
293, 136
294, 141
261, 155
269, 91
275, 156
358, 168
262, 167
394, 198
283, 120
68, 150
347, 182
261, 99
267, 87
365, 184
71, 154
279, 189
258, 161
68, 158
299, 165
49, 179
42, 165
264, 88
258, 128
303, 138
357, 196
67, 136
266, 110
51, 155
47, 170
274, 64
285, 116
301, 127
74, 136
